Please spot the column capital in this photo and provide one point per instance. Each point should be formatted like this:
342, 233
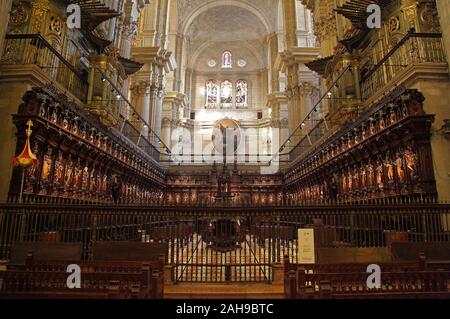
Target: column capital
306, 88
276, 98
140, 87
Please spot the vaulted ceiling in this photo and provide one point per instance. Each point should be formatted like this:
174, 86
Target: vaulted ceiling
226, 23
218, 25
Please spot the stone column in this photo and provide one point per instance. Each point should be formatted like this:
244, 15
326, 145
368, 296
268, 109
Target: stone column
128, 33
325, 27
166, 132
305, 91
274, 85
141, 100
264, 74
5, 7
290, 23
443, 7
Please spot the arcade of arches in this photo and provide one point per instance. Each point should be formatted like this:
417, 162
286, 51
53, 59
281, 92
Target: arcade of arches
291, 110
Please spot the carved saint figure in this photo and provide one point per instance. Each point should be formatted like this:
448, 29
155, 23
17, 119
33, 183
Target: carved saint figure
350, 180
344, 183
54, 117
411, 161
77, 175
99, 182
46, 165
404, 110
379, 175
104, 187
69, 173
370, 177
356, 137
59, 170
65, 122
389, 170
400, 167
93, 180
75, 127
85, 181
371, 128
363, 178
382, 123
392, 116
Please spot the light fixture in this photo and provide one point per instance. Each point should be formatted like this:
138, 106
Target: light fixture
103, 79
303, 124
289, 140
329, 94
145, 126
118, 96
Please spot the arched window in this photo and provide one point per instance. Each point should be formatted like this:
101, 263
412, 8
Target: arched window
226, 93
241, 93
227, 60
212, 93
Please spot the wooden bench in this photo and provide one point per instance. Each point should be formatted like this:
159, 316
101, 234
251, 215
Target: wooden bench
412, 283
349, 280
163, 233
117, 270
127, 251
407, 251
99, 279
44, 250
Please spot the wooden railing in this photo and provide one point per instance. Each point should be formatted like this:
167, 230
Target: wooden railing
202, 238
22, 49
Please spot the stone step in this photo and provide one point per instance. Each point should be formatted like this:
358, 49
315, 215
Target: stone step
223, 291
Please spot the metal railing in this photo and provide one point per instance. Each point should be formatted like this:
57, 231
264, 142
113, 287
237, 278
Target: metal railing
413, 49
221, 244
131, 125
23, 49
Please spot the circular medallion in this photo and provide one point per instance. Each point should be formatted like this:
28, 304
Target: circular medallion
212, 63
18, 15
241, 63
226, 136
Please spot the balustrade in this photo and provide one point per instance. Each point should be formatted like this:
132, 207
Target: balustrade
25, 49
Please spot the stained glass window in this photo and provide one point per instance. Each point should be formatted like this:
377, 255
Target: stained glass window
212, 92
226, 93
241, 93
226, 60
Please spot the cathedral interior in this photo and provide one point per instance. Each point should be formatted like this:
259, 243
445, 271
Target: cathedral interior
235, 148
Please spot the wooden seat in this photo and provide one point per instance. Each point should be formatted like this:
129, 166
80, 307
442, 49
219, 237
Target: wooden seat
44, 250
127, 251
99, 279
349, 280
